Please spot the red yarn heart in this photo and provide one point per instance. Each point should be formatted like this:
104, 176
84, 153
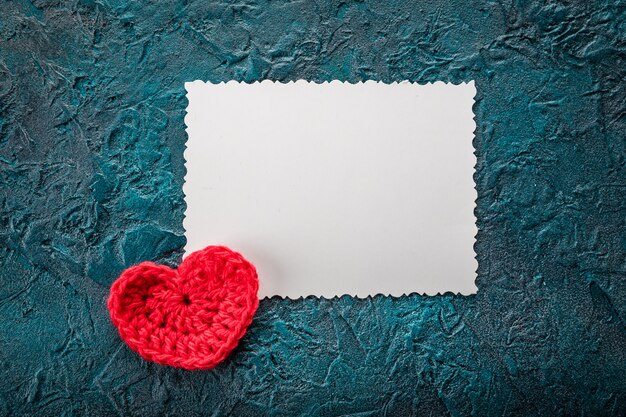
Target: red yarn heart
192, 317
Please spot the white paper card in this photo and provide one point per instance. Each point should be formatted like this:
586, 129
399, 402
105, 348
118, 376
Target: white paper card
335, 188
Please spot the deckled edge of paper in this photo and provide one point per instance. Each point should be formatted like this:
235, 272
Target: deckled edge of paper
337, 297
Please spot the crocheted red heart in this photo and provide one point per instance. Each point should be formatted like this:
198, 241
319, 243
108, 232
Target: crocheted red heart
192, 317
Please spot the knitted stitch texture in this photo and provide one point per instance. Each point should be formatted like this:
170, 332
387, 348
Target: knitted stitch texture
192, 317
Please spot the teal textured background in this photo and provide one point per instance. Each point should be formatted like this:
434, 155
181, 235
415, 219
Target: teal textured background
92, 103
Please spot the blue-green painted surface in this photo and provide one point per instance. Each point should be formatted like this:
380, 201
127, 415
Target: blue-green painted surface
92, 102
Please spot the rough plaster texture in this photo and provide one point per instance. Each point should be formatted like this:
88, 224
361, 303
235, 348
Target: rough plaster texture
92, 104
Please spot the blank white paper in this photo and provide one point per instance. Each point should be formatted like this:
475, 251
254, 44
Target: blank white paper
335, 188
